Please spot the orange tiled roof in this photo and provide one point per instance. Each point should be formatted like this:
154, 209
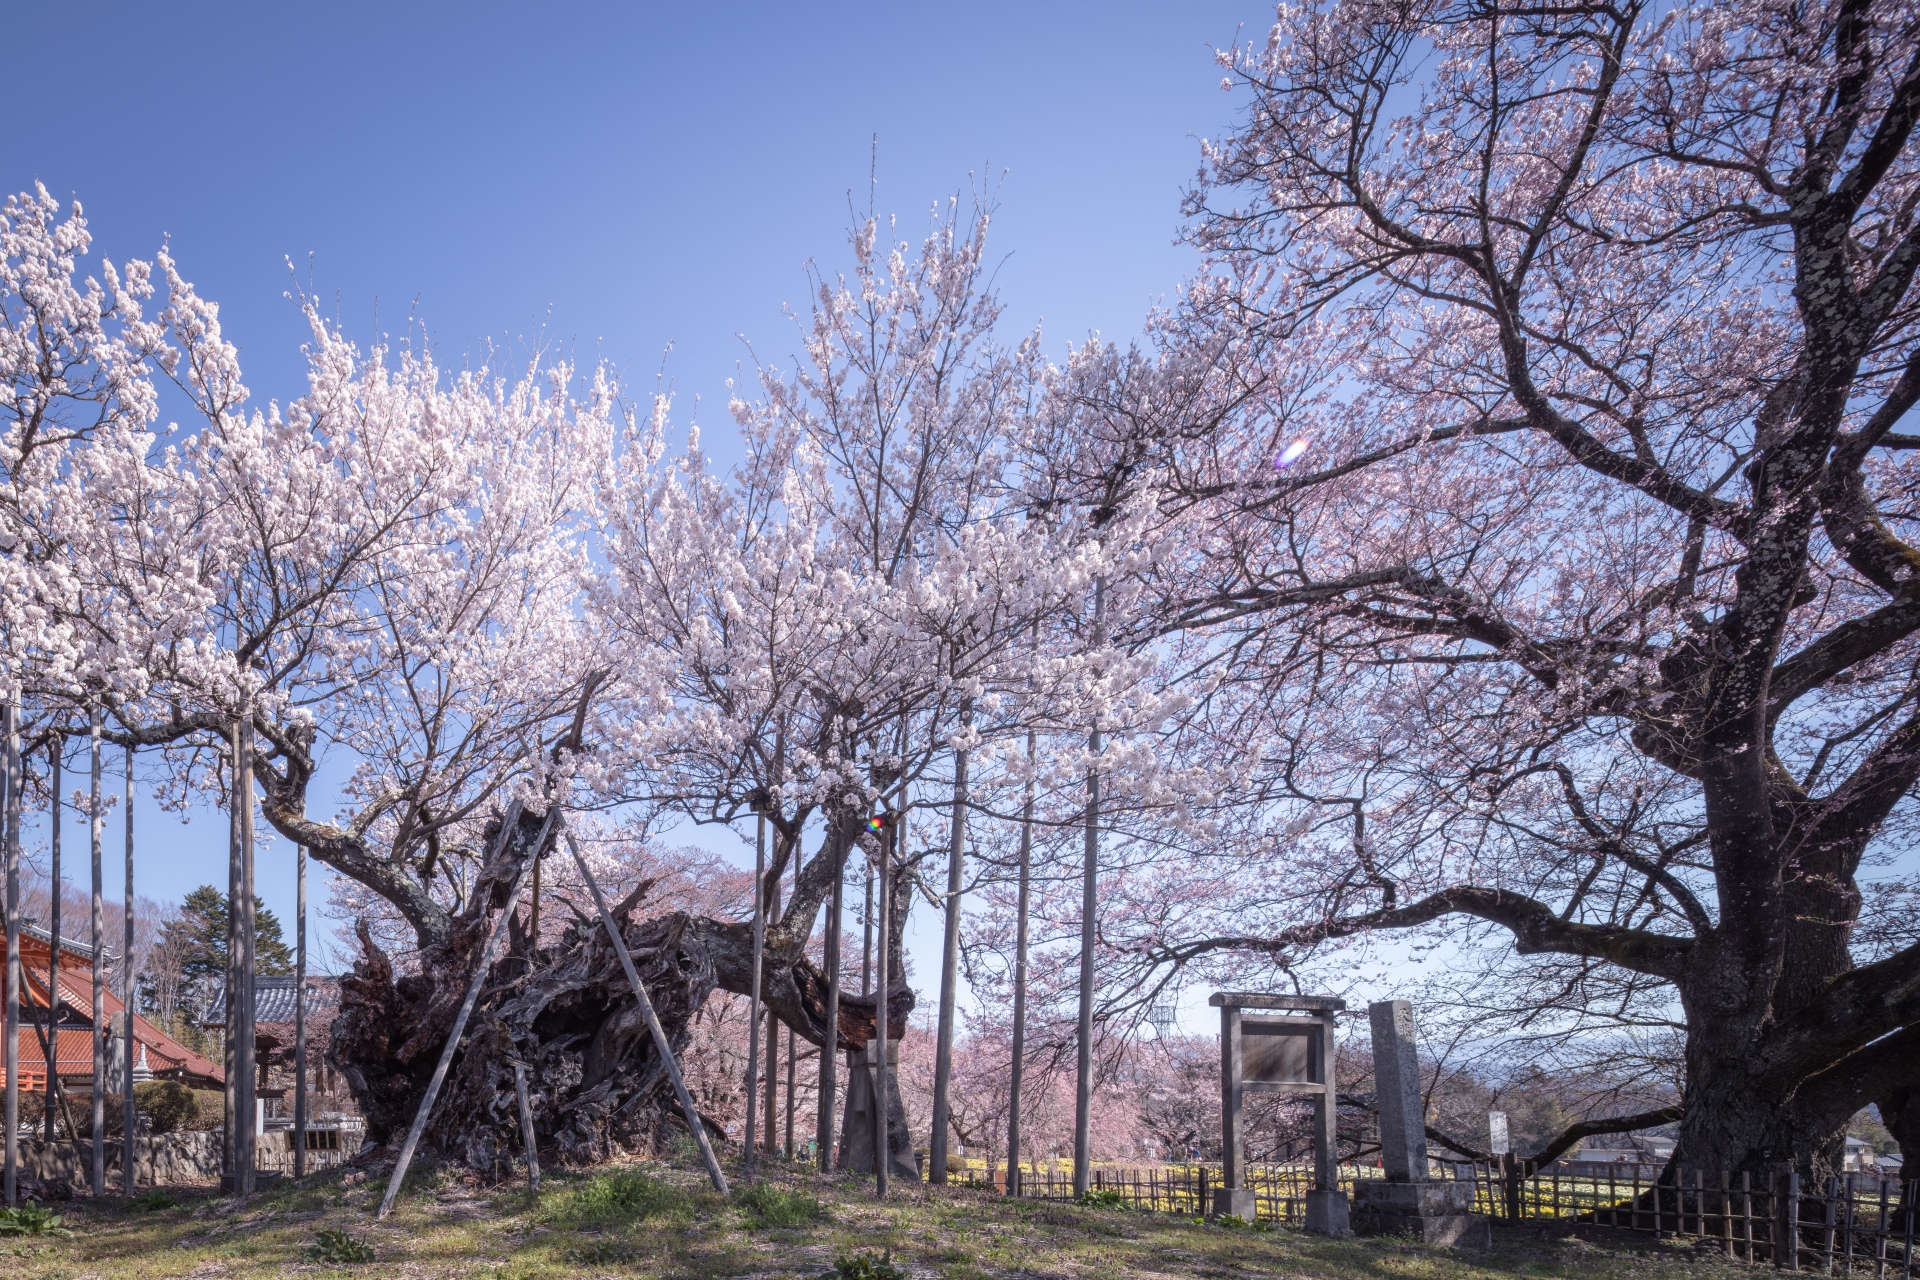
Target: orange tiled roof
164, 1054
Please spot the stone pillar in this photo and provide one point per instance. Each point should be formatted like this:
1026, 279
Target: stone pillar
1406, 1202
1396, 1082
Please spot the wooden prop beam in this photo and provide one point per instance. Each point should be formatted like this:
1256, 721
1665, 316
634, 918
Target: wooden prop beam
527, 1138
487, 955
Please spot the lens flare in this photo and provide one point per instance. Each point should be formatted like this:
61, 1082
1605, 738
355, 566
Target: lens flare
1291, 454
876, 823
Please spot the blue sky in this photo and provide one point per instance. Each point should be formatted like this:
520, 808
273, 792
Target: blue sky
614, 179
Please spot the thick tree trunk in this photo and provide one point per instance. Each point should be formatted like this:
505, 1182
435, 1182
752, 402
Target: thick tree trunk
595, 1080
1749, 1106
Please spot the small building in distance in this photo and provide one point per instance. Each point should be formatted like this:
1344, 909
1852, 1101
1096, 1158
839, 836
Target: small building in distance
156, 1055
329, 1103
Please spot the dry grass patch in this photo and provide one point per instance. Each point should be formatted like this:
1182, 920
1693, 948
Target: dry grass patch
659, 1221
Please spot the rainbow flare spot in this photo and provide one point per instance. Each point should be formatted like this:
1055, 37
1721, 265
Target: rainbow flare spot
1291, 454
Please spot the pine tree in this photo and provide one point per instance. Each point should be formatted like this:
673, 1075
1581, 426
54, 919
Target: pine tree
199, 939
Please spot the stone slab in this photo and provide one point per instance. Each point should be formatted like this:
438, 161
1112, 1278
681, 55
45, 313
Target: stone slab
1238, 1201
1432, 1212
1327, 1213
1373, 1195
1270, 1000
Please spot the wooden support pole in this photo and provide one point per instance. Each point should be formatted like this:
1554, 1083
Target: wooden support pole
1232, 1102
53, 932
488, 954
129, 1121
830, 1048
1021, 914
527, 1138
793, 1056
96, 822
300, 1013
10, 831
949, 971
246, 1046
661, 1044
1089, 906
230, 1027
882, 1156
753, 998
1326, 1108
773, 1048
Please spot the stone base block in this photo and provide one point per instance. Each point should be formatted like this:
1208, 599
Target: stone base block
1434, 1212
1327, 1213
1238, 1201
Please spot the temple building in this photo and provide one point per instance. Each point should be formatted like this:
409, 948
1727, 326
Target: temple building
157, 1055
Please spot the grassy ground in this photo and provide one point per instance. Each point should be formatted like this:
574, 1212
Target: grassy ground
659, 1220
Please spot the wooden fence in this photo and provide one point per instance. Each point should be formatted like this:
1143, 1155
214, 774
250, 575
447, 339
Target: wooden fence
1859, 1224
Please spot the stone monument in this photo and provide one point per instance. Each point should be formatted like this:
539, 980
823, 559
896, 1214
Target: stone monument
1407, 1202
1264, 1053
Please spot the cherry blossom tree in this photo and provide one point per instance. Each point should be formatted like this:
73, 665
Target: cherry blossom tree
815, 636
1584, 610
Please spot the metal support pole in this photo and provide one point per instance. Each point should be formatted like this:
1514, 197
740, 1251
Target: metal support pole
949, 971
488, 954
661, 1044
96, 823
130, 1121
748, 1143
11, 833
300, 1014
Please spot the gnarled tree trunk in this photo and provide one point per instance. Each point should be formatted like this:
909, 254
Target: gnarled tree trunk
596, 1082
